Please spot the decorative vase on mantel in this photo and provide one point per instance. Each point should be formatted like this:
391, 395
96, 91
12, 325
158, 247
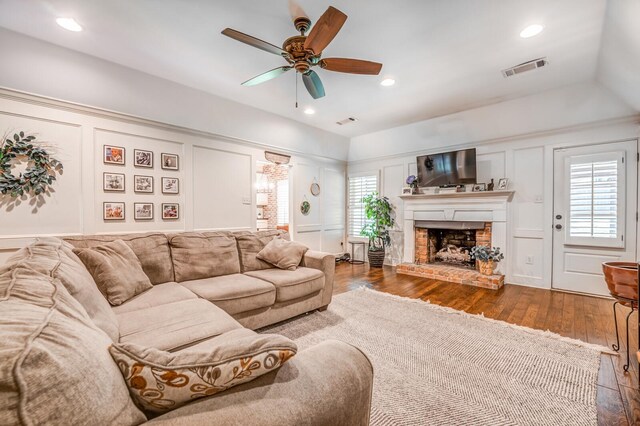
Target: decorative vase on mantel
412, 181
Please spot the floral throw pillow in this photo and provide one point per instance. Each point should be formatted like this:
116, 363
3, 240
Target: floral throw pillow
160, 381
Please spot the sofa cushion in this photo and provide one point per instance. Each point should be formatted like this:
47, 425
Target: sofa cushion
174, 325
55, 366
329, 383
157, 295
54, 257
116, 270
292, 285
283, 254
250, 244
151, 249
203, 255
234, 293
160, 381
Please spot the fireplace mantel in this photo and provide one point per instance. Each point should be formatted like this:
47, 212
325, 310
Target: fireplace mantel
508, 195
485, 206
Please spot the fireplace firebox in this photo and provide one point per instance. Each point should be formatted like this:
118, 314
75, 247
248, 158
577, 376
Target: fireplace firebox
449, 242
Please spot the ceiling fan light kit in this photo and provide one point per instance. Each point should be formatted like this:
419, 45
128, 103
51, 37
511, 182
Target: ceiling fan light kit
302, 52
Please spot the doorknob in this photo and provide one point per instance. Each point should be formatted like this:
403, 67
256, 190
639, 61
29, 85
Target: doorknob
558, 216
558, 226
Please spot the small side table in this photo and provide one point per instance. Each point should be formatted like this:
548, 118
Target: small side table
353, 260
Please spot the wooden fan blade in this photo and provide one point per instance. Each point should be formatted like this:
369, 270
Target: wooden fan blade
325, 30
313, 84
252, 41
351, 66
266, 76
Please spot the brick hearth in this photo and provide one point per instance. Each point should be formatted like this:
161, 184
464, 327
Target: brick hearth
452, 274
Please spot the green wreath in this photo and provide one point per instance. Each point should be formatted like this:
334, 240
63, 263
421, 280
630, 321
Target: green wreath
40, 173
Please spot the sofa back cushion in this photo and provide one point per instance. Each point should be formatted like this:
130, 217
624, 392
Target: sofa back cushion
152, 250
203, 255
251, 243
54, 257
55, 366
116, 270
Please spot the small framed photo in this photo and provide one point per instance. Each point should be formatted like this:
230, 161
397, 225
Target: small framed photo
113, 211
169, 161
143, 211
479, 187
502, 184
113, 182
170, 185
143, 184
142, 158
407, 190
113, 155
170, 211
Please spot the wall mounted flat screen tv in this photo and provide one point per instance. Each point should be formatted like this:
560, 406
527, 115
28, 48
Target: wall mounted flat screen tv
447, 168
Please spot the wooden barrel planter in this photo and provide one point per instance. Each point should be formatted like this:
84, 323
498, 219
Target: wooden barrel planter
622, 281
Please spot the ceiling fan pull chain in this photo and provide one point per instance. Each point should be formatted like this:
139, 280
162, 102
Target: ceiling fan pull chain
296, 90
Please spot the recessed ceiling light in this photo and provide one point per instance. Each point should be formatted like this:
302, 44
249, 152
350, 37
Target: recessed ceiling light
309, 111
531, 30
69, 24
388, 82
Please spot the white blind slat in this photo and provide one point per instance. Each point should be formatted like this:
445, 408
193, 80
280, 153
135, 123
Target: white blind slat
593, 199
282, 194
359, 187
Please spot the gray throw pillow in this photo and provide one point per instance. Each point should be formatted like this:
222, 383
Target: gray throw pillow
116, 270
283, 254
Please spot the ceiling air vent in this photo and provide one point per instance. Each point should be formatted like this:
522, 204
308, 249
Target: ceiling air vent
524, 67
346, 121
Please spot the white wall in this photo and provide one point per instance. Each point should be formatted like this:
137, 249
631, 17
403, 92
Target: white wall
565, 108
216, 175
49, 70
523, 154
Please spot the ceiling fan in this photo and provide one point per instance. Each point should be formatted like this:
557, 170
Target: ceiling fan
303, 52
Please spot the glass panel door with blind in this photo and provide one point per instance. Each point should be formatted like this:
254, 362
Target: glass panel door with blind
359, 187
594, 213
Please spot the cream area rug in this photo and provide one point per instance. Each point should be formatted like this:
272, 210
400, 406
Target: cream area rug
438, 366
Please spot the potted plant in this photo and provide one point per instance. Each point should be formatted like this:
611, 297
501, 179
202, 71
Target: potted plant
412, 181
378, 211
486, 258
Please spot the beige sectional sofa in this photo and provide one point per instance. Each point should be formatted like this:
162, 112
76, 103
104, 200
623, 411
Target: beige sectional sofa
205, 286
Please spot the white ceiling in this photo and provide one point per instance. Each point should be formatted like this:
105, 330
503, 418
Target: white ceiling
446, 56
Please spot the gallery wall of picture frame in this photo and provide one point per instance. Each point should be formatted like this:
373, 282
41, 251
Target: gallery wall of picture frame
115, 182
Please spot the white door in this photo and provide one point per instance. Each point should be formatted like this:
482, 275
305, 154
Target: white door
594, 213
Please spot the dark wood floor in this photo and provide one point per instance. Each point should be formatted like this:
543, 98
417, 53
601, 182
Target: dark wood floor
581, 317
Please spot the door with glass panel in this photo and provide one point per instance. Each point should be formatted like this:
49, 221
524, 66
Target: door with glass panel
594, 213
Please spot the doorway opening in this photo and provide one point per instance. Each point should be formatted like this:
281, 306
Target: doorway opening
272, 196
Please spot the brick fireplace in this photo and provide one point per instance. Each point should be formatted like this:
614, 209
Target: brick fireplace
441, 229
439, 244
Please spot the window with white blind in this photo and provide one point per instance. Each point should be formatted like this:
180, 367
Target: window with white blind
359, 187
596, 199
282, 194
